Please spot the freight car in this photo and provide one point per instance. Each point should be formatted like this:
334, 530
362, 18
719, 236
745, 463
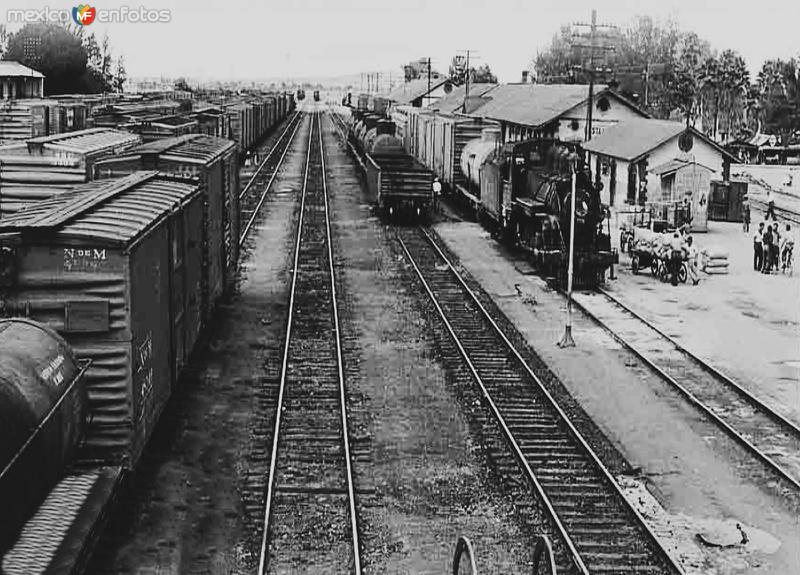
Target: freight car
525, 191
316, 95
116, 267
41, 167
213, 164
398, 183
156, 128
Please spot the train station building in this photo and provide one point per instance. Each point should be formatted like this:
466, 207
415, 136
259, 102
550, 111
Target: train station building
18, 81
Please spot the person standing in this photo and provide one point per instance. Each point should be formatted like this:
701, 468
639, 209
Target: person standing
437, 191
776, 245
770, 206
766, 240
692, 263
787, 246
758, 248
746, 216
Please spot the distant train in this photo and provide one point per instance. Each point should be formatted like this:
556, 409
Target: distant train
521, 191
399, 184
301, 94
316, 95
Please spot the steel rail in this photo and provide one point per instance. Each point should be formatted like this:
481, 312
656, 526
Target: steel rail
340, 369
693, 399
263, 163
262, 564
263, 197
541, 387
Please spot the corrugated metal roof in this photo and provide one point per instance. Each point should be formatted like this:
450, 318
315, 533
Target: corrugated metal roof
115, 211
633, 138
11, 68
532, 104
197, 147
454, 101
87, 141
407, 92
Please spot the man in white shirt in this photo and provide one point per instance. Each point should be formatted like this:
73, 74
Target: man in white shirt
692, 263
787, 246
437, 191
758, 248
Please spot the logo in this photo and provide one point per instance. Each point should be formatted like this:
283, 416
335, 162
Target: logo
84, 14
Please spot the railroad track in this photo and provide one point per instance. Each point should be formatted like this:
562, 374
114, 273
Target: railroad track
766, 434
310, 522
252, 196
595, 529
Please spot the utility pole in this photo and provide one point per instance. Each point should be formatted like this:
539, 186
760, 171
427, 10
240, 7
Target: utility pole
567, 339
429, 80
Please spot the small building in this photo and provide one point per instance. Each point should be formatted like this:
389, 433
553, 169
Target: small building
19, 82
623, 157
420, 93
686, 182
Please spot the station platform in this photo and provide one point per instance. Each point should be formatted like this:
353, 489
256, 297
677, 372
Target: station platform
745, 323
58, 539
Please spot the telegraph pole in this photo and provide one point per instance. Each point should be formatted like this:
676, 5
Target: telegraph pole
429, 79
567, 339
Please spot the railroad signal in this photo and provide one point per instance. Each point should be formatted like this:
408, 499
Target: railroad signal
566, 339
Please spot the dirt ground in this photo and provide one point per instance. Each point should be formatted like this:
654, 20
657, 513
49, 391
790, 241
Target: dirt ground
745, 323
422, 482
182, 511
694, 474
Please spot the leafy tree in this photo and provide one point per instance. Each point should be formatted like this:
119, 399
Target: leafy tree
483, 74
4, 36
106, 61
52, 50
778, 86
723, 92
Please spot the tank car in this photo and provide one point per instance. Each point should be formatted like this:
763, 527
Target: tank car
43, 407
525, 192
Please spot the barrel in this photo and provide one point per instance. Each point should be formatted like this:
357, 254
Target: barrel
42, 414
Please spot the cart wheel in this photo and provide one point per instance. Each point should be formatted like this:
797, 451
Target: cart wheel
635, 264
683, 274
654, 266
662, 271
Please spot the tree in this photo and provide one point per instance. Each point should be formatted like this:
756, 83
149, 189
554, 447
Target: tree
723, 91
483, 75
415, 69
686, 81
4, 37
778, 86
120, 75
52, 50
106, 61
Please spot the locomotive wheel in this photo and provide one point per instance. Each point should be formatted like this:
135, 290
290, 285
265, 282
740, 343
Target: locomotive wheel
635, 264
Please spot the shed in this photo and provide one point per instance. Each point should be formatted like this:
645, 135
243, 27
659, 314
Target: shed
42, 167
213, 164
114, 266
683, 180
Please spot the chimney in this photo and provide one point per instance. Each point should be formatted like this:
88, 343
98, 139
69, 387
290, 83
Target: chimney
524, 76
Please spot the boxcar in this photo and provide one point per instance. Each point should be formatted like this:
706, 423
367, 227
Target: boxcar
41, 167
163, 127
212, 162
115, 268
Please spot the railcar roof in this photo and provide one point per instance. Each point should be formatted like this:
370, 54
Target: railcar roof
115, 211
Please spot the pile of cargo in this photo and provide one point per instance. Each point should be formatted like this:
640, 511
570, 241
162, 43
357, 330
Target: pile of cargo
715, 261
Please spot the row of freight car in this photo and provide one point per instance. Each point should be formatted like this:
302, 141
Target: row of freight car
127, 269
244, 120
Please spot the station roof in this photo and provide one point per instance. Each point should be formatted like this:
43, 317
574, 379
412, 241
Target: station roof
633, 139
536, 105
9, 68
407, 92
455, 99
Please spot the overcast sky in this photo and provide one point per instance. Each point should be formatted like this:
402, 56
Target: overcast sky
238, 39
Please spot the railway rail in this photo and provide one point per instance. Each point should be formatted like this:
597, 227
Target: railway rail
310, 510
594, 527
262, 179
769, 436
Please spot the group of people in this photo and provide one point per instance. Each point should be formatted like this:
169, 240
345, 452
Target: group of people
681, 246
772, 250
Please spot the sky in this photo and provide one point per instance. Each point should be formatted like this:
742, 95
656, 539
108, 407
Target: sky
248, 39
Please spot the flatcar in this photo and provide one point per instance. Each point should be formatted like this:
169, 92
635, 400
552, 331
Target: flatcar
398, 183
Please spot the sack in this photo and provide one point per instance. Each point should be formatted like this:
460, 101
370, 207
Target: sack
718, 264
715, 253
716, 271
